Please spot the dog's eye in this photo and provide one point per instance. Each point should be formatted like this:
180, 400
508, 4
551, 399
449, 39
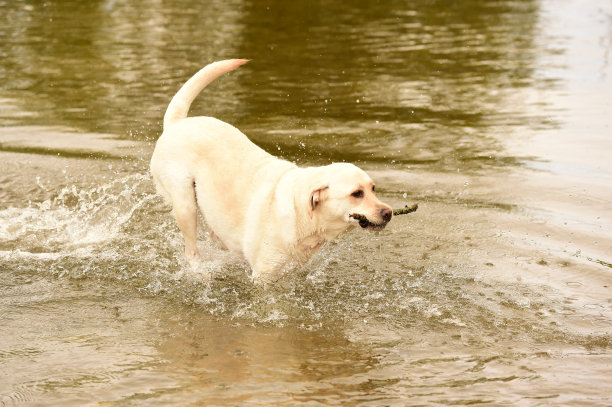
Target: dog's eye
373, 188
357, 194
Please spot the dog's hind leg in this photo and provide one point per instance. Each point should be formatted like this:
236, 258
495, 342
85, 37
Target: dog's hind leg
183, 198
176, 184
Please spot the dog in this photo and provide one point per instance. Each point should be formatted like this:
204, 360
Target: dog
271, 212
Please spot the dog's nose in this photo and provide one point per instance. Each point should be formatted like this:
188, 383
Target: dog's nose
386, 214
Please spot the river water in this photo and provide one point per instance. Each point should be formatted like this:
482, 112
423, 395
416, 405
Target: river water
495, 116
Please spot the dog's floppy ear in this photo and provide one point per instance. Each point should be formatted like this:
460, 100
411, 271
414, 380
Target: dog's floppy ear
315, 199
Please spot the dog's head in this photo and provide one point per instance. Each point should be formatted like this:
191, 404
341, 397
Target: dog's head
345, 197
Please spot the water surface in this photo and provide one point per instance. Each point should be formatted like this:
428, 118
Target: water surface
494, 116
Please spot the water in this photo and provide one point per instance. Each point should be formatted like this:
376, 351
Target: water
494, 116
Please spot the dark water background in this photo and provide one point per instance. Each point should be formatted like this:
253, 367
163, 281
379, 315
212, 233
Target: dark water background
494, 115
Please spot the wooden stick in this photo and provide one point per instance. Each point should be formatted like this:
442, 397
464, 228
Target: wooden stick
406, 209
401, 211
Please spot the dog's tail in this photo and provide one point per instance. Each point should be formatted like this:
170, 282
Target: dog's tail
180, 103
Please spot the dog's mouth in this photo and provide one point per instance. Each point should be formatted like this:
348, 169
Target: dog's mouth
366, 224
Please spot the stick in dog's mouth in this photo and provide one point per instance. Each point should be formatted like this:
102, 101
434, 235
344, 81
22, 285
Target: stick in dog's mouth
365, 223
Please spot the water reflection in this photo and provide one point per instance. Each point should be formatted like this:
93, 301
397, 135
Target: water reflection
429, 83
425, 84
104, 65
222, 364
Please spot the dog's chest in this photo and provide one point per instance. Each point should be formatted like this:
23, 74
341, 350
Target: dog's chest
311, 244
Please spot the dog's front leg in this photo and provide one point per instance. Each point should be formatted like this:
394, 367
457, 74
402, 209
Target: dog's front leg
268, 266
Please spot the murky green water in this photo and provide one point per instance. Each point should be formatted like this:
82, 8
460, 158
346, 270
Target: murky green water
494, 115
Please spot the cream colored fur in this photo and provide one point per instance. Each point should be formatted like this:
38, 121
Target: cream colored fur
267, 210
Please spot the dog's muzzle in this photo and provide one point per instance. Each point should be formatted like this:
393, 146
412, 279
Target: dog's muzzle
365, 223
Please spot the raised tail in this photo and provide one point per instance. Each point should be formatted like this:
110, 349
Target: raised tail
180, 103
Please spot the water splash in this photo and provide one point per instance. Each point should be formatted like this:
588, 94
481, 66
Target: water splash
75, 217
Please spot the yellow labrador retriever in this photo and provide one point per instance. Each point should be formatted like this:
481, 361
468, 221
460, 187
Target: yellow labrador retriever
273, 213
